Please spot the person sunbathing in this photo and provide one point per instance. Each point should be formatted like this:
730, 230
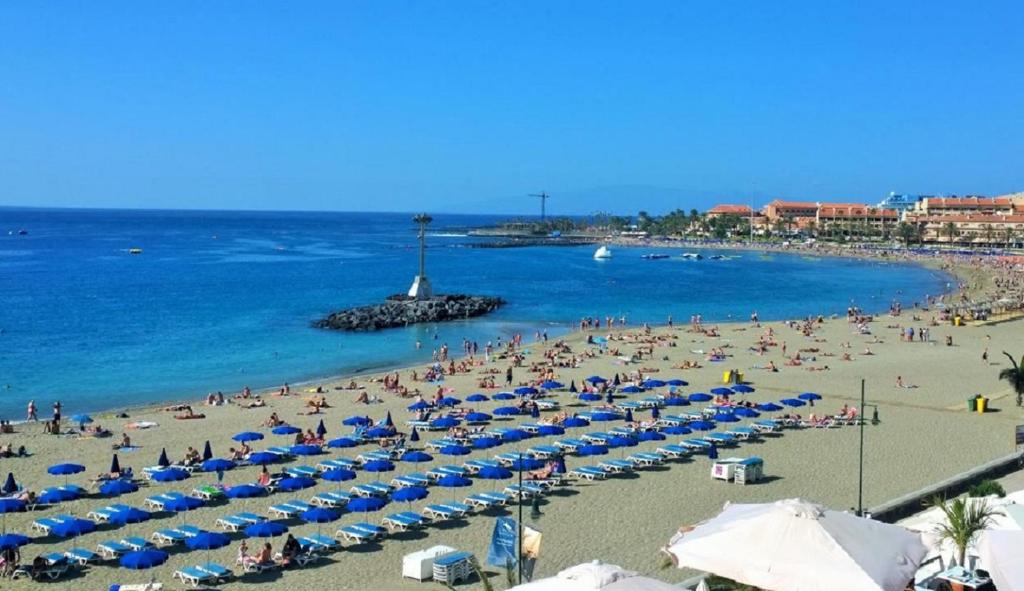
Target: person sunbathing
543, 473
273, 421
126, 442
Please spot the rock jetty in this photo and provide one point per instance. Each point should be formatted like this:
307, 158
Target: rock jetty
401, 310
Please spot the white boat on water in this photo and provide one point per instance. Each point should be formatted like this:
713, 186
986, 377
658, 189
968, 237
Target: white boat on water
603, 253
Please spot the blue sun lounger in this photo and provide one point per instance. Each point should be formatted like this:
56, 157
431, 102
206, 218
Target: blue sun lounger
220, 573
616, 466
373, 456
487, 499
511, 457
414, 479
695, 444
571, 444
333, 498
474, 466
112, 549
622, 431
526, 490
81, 556
361, 532
371, 489
588, 473
448, 510
168, 537
289, 508
193, 576
345, 463
674, 451
646, 458
721, 438
441, 471
319, 543
157, 502
295, 471
743, 433
596, 437
239, 521
437, 444
404, 521
531, 428
767, 426
544, 452
45, 524
103, 514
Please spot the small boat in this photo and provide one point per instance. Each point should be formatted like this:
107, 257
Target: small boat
603, 253
693, 256
654, 256
23, 232
135, 250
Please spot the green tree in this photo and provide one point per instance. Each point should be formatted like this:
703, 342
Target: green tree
950, 230
990, 234
964, 520
906, 233
1008, 236
1014, 375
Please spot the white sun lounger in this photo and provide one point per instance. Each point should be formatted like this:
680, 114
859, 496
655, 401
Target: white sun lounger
487, 499
616, 466
674, 451
544, 452
345, 463
571, 444
441, 471
646, 458
588, 473
371, 489
361, 532
404, 521
334, 498
448, 510
474, 466
295, 471
238, 521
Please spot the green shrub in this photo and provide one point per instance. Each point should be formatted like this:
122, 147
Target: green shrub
986, 488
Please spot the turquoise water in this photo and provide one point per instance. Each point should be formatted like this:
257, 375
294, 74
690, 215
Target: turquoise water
220, 300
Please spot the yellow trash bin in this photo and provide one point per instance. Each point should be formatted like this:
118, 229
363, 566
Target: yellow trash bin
958, 321
727, 376
982, 405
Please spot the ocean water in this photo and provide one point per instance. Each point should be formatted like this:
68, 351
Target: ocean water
221, 300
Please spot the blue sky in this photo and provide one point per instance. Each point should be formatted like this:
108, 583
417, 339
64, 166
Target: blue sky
469, 106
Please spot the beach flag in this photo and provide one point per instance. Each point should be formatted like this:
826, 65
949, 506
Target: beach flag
502, 551
10, 486
629, 416
572, 386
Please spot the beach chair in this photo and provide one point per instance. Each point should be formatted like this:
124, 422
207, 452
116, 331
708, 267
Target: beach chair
743, 433
331, 499
525, 491
414, 479
81, 556
546, 405
238, 521
112, 549
531, 428
695, 444
103, 514
671, 420
320, 542
371, 489
361, 532
596, 437
136, 543
622, 431
404, 521
54, 570
283, 453
253, 567
588, 473
220, 573
474, 466
189, 530
45, 524
646, 458
616, 466
449, 510
296, 471
674, 451
288, 509
766, 426
193, 576
544, 452
487, 499
168, 537
724, 439
157, 502
345, 463
509, 458
373, 456
570, 445
441, 471
419, 425
437, 444
208, 492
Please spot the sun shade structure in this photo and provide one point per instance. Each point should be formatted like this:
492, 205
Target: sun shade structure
795, 544
594, 576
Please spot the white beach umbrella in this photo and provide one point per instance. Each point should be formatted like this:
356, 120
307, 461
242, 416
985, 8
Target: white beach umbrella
1000, 553
794, 545
595, 576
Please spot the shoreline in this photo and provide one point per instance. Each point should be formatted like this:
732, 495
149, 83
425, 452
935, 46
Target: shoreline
957, 274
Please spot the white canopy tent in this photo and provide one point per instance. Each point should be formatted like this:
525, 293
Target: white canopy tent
595, 576
794, 545
1001, 553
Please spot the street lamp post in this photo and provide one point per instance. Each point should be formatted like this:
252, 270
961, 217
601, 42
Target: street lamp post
860, 472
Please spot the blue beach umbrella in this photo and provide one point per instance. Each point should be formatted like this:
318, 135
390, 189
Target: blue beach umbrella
742, 389
115, 465
10, 505
182, 503
418, 406
478, 417
356, 421
768, 407
701, 426
388, 422
365, 504
82, 420
602, 415
57, 495
504, 396
378, 432
445, 423
794, 402
163, 461
454, 450
677, 401
620, 441
116, 488
677, 430
305, 449
525, 390
454, 481
494, 473
10, 486
414, 436
207, 451
449, 401
809, 396
677, 382
513, 435
263, 457
321, 430
319, 515
525, 464
505, 411
560, 467
378, 466
342, 442
574, 422
631, 390
746, 412
650, 436
72, 528
416, 457
592, 449
572, 386
653, 384
217, 465
713, 451
338, 475
207, 540
144, 559
285, 430
721, 391
245, 491
610, 398
476, 398
589, 397
65, 469
700, 397
552, 385
546, 430
129, 515
170, 475
726, 417
486, 442
245, 436
13, 541
596, 380
295, 483
265, 529
410, 494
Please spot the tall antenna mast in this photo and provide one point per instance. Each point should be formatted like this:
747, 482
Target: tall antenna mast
543, 202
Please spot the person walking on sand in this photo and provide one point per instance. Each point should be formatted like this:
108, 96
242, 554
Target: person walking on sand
32, 416
984, 356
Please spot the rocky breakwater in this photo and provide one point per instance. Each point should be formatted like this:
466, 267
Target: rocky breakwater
400, 310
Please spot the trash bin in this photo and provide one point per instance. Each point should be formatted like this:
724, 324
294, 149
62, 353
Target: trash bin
982, 405
958, 321
972, 404
739, 376
727, 376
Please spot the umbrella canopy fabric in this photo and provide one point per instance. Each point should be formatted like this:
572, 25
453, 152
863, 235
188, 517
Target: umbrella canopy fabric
338, 475
170, 475
295, 483
379, 466
794, 544
207, 451
11, 505
768, 407
217, 465
418, 405
285, 430
478, 417
677, 430
454, 481
57, 495
650, 436
447, 401
726, 417
504, 396
494, 473
546, 430
13, 541
505, 411
574, 422
183, 503
486, 442
247, 436
342, 442
263, 457
365, 504
809, 396
129, 515
654, 383
742, 389
355, 421
415, 435
321, 430
596, 380
115, 488
306, 449
589, 397
73, 528
525, 464
378, 432
700, 397
595, 576
163, 461
702, 426
115, 465
265, 529
10, 486
743, 411
631, 390
445, 423
144, 559
409, 494
80, 419
525, 390
207, 540
551, 385
65, 469
794, 402
416, 457
721, 391
602, 415
678, 401
476, 398
455, 450
677, 382
245, 491
1000, 553
592, 450
319, 515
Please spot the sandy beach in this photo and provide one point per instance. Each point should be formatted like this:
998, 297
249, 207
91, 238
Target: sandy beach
925, 434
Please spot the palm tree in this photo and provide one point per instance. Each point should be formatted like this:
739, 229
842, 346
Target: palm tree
950, 229
990, 234
965, 519
1014, 376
